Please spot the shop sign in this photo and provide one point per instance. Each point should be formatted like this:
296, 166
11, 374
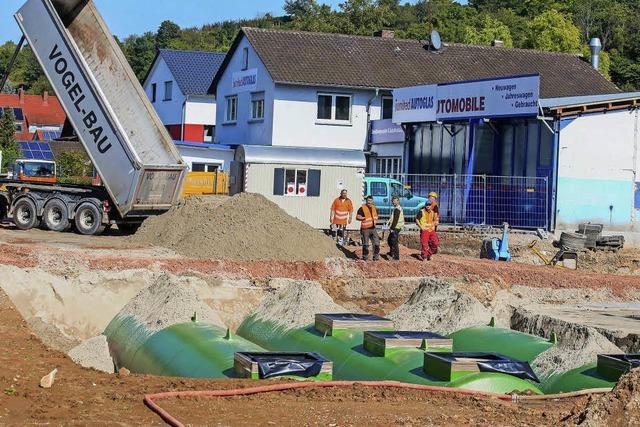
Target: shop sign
386, 131
244, 81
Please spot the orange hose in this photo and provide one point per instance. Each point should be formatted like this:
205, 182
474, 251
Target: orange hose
169, 419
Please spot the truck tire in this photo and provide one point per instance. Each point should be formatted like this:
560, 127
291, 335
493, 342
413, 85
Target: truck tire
25, 215
573, 241
88, 219
54, 216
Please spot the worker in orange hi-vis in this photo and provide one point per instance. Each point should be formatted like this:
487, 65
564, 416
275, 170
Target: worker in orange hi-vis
427, 220
368, 215
341, 215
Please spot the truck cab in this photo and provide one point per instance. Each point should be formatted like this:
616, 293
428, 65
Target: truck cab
35, 171
382, 189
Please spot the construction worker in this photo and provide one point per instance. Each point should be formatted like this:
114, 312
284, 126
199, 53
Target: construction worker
395, 225
427, 221
368, 217
433, 197
341, 215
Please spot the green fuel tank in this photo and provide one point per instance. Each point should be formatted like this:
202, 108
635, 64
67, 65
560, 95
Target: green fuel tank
352, 362
517, 345
196, 350
582, 378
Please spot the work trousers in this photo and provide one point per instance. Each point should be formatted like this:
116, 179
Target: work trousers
429, 241
370, 237
339, 232
394, 245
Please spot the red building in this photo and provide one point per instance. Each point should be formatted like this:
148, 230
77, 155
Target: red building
34, 113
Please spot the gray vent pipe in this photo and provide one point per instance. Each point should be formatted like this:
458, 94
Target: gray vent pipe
596, 48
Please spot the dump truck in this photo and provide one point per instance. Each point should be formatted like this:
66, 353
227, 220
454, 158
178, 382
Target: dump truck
140, 168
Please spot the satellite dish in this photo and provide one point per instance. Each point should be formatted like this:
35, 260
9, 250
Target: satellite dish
436, 41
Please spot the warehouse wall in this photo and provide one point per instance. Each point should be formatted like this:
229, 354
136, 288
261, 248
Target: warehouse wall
596, 170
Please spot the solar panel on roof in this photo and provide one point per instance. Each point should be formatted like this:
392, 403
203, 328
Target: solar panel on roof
18, 113
36, 150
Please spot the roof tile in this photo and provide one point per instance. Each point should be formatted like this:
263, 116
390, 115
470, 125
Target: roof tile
193, 70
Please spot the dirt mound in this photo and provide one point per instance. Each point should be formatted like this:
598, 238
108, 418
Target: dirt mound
244, 227
437, 306
93, 353
294, 303
577, 345
621, 407
168, 301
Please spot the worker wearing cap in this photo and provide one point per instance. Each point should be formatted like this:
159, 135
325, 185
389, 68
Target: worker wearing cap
368, 217
427, 221
341, 214
395, 225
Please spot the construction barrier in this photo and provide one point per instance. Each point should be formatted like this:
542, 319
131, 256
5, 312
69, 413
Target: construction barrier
205, 183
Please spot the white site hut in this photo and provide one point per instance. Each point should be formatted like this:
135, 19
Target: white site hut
302, 181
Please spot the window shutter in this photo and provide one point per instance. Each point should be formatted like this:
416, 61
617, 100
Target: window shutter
313, 183
278, 182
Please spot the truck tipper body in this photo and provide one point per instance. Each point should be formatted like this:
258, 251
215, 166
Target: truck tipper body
140, 168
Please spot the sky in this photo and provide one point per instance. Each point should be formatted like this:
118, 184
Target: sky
125, 17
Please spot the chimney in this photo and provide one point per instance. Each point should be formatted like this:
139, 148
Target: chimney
596, 48
45, 98
21, 95
385, 34
497, 43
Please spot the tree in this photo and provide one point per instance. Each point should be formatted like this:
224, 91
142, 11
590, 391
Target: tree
8, 145
489, 29
365, 16
140, 51
552, 31
73, 164
605, 61
301, 8
167, 33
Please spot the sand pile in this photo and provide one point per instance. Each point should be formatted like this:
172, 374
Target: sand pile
437, 306
294, 303
577, 345
168, 301
244, 227
93, 353
621, 407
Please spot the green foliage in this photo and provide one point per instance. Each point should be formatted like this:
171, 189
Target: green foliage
552, 31
8, 145
73, 164
605, 61
488, 30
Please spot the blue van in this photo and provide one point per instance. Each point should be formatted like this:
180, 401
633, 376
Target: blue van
382, 189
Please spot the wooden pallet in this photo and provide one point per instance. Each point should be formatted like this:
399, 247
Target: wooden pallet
245, 366
378, 342
326, 323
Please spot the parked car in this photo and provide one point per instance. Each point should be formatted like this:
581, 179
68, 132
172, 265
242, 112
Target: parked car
382, 189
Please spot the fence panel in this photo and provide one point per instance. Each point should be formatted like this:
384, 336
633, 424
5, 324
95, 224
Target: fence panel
480, 199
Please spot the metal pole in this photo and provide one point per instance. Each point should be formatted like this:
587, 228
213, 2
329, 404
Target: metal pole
546, 203
11, 62
484, 220
455, 199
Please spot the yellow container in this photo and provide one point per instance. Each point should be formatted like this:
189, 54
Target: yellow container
203, 183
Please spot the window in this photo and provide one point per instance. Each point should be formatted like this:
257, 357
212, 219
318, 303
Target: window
231, 112
378, 189
295, 182
18, 127
204, 167
209, 133
154, 90
245, 58
389, 166
257, 106
168, 91
334, 108
387, 107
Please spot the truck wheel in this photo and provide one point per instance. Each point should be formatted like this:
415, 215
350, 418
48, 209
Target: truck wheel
88, 219
55, 216
25, 216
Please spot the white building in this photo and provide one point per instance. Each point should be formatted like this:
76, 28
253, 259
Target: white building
177, 85
269, 97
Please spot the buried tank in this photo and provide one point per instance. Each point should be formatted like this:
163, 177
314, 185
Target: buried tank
604, 373
365, 347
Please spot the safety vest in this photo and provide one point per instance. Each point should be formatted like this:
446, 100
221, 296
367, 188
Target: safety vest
341, 211
427, 220
370, 217
400, 224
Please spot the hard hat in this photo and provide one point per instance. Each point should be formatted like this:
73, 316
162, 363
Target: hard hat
433, 194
